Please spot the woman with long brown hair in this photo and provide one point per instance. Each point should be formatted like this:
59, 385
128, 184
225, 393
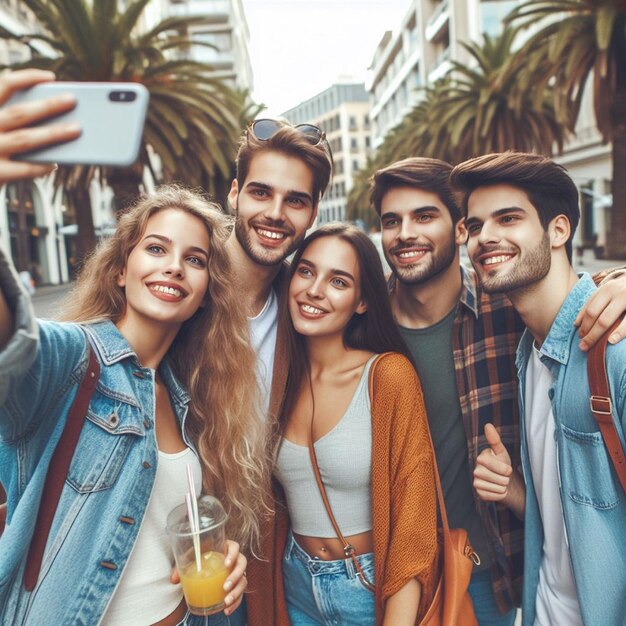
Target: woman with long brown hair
158, 306
353, 453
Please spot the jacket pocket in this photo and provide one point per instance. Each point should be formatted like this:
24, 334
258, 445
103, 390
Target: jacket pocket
105, 440
591, 475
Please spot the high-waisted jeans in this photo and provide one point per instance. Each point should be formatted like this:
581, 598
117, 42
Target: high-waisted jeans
327, 593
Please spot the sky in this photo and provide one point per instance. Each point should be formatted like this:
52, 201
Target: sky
300, 47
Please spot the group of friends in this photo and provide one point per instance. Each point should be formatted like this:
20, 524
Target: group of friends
218, 348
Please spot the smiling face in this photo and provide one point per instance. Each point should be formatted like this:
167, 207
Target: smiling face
274, 207
325, 290
418, 236
507, 244
165, 278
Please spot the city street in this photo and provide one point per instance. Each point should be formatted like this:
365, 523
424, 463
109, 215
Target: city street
47, 300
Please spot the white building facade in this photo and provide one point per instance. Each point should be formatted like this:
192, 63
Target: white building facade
342, 112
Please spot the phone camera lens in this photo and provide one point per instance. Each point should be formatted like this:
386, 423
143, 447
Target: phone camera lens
122, 96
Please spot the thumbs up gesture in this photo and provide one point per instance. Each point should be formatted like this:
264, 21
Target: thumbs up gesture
495, 480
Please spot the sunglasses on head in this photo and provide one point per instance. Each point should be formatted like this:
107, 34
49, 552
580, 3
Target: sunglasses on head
265, 129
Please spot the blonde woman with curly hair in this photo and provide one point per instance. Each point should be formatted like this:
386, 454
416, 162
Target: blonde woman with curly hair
157, 304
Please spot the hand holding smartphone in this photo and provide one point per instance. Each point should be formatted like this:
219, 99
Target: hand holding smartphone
110, 116
16, 133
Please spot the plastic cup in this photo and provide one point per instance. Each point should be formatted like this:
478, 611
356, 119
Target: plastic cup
203, 589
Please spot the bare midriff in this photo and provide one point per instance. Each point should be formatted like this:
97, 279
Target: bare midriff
331, 549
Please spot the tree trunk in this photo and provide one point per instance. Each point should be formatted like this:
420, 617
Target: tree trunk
86, 239
126, 184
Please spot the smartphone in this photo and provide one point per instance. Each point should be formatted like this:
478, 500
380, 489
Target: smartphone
111, 116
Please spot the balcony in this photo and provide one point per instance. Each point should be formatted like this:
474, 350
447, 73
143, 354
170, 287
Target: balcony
438, 21
440, 67
215, 10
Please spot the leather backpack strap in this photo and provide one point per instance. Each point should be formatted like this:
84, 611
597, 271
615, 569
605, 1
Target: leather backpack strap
57, 471
602, 406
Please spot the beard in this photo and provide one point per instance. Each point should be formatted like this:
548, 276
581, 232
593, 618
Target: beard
440, 260
259, 254
527, 270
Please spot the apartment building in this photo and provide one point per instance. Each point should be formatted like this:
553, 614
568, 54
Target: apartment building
419, 52
342, 112
226, 35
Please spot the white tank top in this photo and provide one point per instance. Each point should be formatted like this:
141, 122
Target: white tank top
145, 594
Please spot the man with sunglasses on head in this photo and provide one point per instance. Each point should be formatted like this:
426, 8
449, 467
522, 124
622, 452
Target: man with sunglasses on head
282, 172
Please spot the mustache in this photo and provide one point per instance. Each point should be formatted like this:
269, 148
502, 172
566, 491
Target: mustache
279, 224
491, 248
409, 246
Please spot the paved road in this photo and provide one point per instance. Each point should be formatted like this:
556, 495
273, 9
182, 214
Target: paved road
47, 300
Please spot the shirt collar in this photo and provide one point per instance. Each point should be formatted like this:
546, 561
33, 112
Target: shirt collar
469, 290
557, 344
113, 347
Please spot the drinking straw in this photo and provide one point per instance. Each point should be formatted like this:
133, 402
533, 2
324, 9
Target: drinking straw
192, 512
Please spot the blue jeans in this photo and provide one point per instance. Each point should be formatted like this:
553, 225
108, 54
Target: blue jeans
327, 593
485, 606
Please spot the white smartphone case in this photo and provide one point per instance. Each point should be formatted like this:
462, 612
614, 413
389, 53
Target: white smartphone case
111, 116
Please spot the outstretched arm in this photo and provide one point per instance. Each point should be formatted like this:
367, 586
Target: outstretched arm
16, 136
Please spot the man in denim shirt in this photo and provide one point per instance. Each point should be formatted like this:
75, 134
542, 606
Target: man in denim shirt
522, 211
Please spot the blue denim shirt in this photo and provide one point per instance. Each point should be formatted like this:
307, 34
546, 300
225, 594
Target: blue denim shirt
594, 505
110, 479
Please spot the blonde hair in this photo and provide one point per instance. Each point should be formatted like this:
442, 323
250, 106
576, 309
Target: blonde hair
211, 356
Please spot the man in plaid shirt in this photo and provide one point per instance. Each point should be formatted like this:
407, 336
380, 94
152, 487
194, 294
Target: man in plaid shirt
463, 342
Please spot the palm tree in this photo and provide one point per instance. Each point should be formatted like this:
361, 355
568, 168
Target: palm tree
476, 108
193, 118
576, 41
486, 108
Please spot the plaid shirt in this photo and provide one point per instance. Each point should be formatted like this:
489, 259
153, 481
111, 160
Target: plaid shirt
485, 336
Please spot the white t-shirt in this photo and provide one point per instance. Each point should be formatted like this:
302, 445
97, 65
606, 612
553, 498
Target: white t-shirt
557, 602
263, 329
144, 594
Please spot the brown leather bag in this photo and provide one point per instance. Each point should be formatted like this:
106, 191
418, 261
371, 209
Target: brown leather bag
602, 405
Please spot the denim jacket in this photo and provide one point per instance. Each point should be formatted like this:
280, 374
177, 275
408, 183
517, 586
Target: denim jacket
111, 476
594, 505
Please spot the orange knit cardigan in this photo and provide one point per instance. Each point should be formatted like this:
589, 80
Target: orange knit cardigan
404, 510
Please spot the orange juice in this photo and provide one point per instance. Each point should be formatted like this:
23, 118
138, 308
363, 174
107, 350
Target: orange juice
204, 589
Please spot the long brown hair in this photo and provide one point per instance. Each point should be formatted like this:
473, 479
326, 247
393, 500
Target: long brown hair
375, 330
211, 356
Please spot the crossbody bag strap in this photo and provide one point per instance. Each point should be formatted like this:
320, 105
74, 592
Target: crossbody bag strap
602, 406
348, 548
58, 468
